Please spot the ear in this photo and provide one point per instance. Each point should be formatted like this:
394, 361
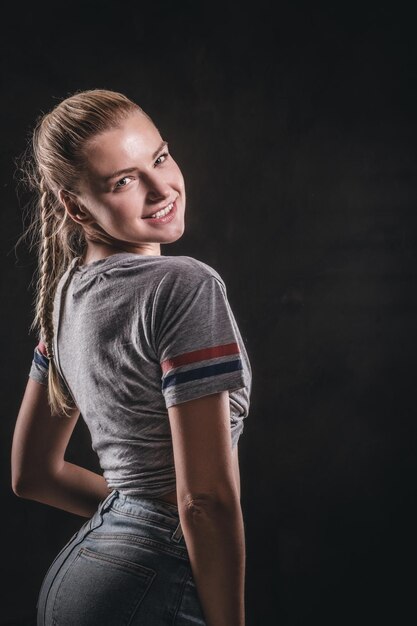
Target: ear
73, 207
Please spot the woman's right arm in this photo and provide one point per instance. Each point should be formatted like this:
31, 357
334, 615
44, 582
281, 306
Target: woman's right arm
209, 505
39, 469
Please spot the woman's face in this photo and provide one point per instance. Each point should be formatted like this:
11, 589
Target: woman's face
130, 176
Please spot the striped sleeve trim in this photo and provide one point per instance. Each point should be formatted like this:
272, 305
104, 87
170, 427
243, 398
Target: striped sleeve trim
197, 357
202, 372
40, 355
42, 348
39, 369
200, 355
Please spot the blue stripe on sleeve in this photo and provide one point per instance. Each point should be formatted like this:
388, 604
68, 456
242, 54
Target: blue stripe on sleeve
41, 359
202, 372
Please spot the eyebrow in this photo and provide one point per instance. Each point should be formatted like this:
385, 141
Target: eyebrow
128, 170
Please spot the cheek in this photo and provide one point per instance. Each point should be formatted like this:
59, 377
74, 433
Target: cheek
113, 205
176, 174
102, 212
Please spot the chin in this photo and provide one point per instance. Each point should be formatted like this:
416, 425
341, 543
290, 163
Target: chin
175, 235
173, 238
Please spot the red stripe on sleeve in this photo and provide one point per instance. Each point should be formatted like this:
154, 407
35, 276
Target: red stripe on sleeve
42, 348
200, 355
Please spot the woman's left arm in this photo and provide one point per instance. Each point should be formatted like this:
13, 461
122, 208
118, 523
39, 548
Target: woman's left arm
39, 469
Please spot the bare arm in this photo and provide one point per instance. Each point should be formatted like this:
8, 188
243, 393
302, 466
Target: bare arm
209, 505
39, 469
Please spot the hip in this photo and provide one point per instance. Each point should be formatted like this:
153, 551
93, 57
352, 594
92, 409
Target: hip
127, 565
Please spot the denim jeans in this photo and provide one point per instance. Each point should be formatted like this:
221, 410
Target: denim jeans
127, 565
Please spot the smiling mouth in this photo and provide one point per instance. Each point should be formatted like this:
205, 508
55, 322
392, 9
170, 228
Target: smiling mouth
162, 212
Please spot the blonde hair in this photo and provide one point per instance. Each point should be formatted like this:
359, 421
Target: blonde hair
53, 161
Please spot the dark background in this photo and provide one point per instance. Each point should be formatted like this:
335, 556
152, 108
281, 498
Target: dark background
295, 126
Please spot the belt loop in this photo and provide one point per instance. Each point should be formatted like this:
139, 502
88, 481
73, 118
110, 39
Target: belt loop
97, 519
177, 535
106, 503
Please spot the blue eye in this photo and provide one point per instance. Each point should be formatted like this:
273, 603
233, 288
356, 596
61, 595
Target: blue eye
162, 156
120, 184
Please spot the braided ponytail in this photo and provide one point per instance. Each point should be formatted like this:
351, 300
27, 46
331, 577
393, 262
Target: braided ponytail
52, 163
44, 304
59, 398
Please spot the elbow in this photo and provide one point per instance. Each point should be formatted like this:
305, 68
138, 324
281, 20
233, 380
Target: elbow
19, 476
24, 485
19, 486
29, 477
212, 504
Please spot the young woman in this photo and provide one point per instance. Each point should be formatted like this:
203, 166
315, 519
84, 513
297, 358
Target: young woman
146, 348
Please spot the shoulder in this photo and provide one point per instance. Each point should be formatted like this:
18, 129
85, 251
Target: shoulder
188, 272
184, 280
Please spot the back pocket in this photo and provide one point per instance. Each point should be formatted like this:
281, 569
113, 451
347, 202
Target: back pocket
100, 589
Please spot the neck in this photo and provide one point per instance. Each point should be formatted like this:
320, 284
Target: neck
96, 251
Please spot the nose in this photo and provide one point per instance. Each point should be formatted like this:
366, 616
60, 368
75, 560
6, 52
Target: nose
158, 188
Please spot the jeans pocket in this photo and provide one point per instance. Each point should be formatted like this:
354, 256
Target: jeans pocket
100, 589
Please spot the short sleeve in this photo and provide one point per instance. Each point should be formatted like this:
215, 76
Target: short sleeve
40, 364
197, 342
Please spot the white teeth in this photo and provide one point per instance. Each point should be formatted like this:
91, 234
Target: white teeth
163, 212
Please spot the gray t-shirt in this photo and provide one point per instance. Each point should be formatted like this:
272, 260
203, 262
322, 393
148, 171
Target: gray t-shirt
134, 335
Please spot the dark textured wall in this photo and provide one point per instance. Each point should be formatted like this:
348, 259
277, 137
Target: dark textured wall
295, 126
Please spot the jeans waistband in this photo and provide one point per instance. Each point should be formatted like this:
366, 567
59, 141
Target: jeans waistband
144, 508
